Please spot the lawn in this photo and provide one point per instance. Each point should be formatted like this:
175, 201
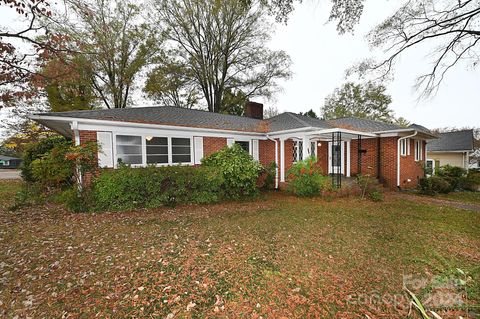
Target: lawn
465, 197
274, 257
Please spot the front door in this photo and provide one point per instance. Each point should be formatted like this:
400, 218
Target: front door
336, 158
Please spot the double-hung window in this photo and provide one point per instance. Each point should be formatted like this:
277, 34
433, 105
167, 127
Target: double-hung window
181, 151
157, 150
245, 145
418, 150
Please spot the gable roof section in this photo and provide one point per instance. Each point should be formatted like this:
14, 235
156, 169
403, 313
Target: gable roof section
168, 115
364, 125
291, 121
452, 141
8, 158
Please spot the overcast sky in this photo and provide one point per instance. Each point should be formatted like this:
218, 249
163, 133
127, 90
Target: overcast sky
320, 57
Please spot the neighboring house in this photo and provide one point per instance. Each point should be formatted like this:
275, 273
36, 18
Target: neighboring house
170, 135
9, 162
451, 148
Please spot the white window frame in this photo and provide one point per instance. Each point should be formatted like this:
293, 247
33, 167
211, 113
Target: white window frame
144, 149
296, 154
250, 143
418, 150
404, 147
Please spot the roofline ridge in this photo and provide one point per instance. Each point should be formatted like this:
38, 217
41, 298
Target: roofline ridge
298, 119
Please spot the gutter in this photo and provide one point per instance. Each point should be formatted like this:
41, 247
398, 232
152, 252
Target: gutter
398, 155
276, 160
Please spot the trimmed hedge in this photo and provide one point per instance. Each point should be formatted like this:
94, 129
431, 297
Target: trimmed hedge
128, 188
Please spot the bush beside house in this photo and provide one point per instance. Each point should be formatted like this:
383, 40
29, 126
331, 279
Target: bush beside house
305, 178
450, 178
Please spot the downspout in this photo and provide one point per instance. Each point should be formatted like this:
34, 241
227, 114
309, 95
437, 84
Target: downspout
276, 160
398, 155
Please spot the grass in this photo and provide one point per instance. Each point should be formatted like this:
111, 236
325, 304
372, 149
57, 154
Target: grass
465, 197
279, 256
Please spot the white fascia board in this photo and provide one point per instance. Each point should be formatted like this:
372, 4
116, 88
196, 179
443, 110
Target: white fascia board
346, 131
281, 134
116, 126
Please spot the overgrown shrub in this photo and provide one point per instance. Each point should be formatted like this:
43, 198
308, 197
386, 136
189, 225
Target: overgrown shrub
127, 188
239, 170
35, 151
270, 171
376, 195
471, 182
53, 169
434, 184
452, 174
305, 178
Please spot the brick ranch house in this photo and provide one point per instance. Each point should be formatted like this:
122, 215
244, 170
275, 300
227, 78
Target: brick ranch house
170, 136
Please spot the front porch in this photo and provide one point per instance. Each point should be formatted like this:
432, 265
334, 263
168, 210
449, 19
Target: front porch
340, 153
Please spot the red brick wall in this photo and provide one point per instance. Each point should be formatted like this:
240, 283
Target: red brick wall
85, 137
266, 151
388, 161
411, 169
213, 144
369, 159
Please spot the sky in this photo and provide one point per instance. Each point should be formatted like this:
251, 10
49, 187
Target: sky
320, 57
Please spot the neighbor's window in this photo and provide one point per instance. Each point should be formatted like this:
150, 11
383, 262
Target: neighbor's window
245, 145
418, 150
129, 149
181, 151
157, 150
297, 151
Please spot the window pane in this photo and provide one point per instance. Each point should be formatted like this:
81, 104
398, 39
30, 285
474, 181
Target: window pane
129, 140
181, 150
180, 141
159, 150
157, 141
130, 159
157, 159
181, 159
129, 149
245, 145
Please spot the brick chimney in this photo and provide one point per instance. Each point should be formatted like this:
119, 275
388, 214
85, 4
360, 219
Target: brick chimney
253, 110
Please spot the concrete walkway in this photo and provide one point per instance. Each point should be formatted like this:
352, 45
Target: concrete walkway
9, 174
439, 202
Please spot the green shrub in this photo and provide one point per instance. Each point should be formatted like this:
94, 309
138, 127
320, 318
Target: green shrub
53, 169
470, 182
270, 172
434, 184
35, 151
452, 174
305, 178
376, 195
239, 170
127, 188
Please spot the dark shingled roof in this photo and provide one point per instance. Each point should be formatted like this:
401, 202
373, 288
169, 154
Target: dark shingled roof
167, 115
290, 121
452, 141
364, 125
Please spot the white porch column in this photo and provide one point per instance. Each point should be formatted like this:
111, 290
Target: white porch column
306, 148
282, 160
348, 158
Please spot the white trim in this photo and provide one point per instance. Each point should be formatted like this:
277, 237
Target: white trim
331, 169
306, 148
198, 147
255, 150
282, 160
105, 151
230, 142
398, 155
348, 159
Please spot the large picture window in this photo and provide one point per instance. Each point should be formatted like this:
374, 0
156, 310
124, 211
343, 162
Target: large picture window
157, 150
129, 149
181, 151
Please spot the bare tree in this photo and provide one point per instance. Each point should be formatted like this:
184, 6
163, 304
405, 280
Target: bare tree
223, 45
452, 26
117, 43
